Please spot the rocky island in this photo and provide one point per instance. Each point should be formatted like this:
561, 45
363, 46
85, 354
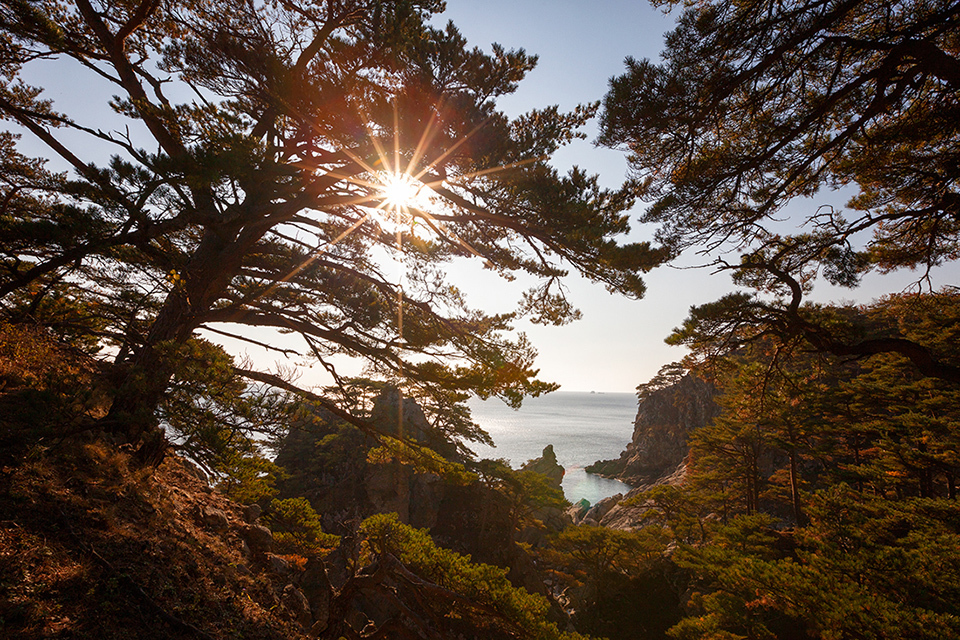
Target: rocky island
546, 465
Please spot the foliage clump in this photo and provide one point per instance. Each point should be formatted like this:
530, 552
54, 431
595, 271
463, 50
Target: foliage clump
863, 567
296, 527
821, 503
460, 595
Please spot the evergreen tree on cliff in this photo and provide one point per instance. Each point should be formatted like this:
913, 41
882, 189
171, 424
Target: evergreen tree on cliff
245, 185
759, 105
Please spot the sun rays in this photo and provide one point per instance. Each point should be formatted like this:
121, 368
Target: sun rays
380, 191
391, 190
399, 190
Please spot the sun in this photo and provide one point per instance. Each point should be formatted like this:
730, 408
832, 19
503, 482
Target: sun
399, 190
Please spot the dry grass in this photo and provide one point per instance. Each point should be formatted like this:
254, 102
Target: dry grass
91, 549
47, 390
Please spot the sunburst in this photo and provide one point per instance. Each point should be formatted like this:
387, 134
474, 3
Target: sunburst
393, 195
396, 196
400, 191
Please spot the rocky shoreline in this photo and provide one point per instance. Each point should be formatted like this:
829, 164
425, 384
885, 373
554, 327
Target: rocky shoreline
657, 452
665, 419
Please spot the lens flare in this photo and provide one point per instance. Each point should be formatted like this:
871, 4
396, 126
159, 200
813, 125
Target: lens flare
399, 190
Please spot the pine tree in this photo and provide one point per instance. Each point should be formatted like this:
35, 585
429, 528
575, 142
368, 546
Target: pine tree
759, 106
253, 183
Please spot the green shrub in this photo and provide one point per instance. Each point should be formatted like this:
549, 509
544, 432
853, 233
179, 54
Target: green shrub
296, 527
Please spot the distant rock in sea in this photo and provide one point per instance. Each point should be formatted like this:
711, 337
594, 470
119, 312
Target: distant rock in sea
546, 465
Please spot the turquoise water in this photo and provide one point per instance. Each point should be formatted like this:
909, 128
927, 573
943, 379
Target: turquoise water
582, 427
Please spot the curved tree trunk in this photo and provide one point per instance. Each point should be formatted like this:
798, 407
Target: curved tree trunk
142, 382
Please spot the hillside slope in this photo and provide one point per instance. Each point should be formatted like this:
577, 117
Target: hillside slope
90, 548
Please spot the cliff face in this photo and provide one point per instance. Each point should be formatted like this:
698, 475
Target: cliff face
665, 419
327, 464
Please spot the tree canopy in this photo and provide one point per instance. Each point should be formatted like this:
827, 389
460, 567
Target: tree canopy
759, 105
249, 185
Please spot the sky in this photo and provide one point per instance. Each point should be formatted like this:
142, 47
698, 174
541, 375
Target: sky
618, 343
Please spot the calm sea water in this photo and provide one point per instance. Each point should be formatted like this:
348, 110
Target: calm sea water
582, 427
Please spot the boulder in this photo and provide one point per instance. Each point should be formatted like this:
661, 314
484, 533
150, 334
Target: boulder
578, 510
627, 518
316, 588
597, 511
214, 519
278, 565
258, 538
296, 603
251, 512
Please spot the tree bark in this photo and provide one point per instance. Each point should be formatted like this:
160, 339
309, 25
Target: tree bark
798, 514
143, 381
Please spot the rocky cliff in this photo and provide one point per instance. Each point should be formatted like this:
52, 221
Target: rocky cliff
665, 419
326, 462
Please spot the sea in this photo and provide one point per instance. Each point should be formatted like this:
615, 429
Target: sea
583, 427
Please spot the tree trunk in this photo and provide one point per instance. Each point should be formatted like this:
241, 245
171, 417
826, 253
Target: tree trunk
143, 382
132, 415
798, 514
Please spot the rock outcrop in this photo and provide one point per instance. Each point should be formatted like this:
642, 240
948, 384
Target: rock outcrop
665, 419
327, 463
414, 424
546, 465
617, 515
657, 453
597, 512
578, 510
